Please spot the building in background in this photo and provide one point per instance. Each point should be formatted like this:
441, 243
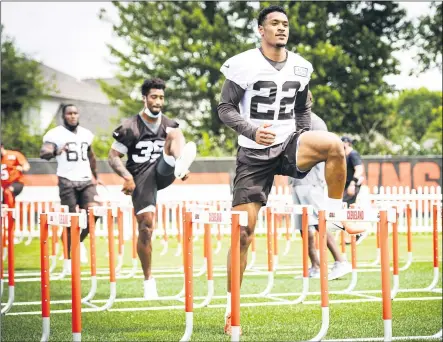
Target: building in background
96, 112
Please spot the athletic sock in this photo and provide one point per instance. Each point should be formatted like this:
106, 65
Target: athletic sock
228, 304
334, 204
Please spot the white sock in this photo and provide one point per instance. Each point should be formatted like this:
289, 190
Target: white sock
170, 160
334, 204
228, 304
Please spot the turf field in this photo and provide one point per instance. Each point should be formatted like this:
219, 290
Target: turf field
414, 313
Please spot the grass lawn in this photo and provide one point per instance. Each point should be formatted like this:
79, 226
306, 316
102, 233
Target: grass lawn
414, 313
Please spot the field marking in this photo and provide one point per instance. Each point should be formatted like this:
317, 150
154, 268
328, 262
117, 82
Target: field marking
175, 307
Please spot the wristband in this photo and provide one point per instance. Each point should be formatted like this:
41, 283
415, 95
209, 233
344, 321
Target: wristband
355, 179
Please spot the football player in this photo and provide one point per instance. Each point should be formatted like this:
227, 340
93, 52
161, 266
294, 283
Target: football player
70, 144
265, 100
13, 163
157, 155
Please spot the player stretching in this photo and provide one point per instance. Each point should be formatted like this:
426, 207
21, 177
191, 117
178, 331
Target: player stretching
157, 154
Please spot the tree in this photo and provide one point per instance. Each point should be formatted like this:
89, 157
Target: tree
427, 38
350, 45
416, 109
184, 43
22, 88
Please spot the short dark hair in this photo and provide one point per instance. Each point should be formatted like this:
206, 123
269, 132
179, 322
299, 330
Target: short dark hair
155, 83
265, 11
66, 106
347, 139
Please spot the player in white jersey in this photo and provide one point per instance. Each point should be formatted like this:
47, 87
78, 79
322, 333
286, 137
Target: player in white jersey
265, 100
70, 144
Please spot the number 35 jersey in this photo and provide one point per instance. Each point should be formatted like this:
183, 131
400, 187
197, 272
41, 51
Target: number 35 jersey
72, 164
270, 94
143, 146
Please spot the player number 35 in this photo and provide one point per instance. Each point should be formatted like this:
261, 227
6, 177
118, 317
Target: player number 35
149, 151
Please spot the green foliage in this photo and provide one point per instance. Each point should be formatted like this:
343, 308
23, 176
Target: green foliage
184, 43
348, 43
22, 89
427, 38
416, 109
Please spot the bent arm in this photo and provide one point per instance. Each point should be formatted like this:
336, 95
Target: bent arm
229, 113
48, 150
92, 161
302, 110
114, 160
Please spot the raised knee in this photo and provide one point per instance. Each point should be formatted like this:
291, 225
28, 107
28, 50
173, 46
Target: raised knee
337, 148
174, 134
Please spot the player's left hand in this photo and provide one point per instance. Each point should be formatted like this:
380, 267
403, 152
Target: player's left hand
19, 168
351, 190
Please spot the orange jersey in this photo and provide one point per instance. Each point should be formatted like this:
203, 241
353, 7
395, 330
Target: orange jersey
10, 161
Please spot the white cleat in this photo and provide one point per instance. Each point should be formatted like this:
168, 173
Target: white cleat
183, 162
150, 289
83, 253
339, 270
67, 266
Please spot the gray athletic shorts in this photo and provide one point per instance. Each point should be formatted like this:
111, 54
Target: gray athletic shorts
308, 195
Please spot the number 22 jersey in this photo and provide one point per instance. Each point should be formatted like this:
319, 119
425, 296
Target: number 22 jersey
140, 143
270, 94
72, 164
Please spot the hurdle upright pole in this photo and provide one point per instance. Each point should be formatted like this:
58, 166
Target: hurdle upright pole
134, 238
354, 265
396, 279
75, 280
91, 224
435, 247
188, 270
235, 277
323, 276
385, 276
275, 223
11, 262
305, 243
44, 264
409, 234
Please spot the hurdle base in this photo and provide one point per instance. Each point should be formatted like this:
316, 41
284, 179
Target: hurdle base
46, 327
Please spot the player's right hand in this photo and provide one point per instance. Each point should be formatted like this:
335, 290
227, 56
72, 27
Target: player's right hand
128, 185
61, 149
264, 136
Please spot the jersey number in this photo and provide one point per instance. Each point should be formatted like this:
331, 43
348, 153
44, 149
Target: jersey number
72, 152
5, 173
149, 151
270, 100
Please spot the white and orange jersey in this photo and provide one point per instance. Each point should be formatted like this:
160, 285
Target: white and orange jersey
10, 161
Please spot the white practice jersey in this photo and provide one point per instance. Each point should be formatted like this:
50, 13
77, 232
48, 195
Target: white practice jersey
74, 163
269, 94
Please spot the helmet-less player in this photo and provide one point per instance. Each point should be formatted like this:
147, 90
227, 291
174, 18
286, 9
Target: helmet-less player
157, 154
265, 100
70, 144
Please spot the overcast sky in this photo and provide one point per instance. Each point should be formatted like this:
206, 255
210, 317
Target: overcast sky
71, 38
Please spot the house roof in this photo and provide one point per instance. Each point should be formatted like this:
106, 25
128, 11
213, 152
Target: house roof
96, 112
68, 87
